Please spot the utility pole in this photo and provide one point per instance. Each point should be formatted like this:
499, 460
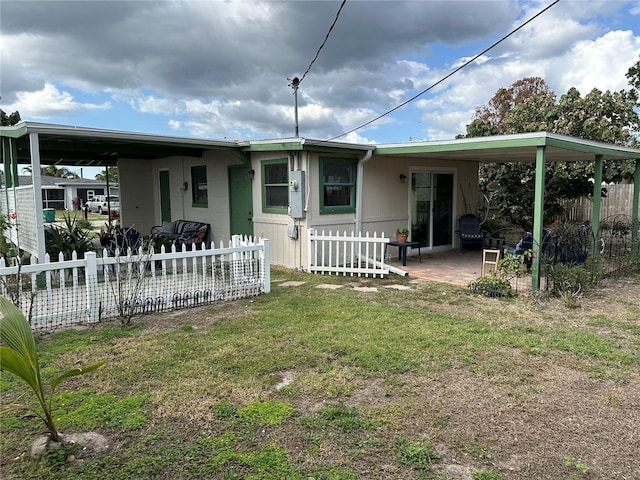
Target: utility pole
294, 83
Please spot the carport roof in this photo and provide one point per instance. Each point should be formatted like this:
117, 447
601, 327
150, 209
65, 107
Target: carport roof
511, 148
80, 146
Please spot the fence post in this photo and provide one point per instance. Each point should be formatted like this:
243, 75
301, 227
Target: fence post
310, 259
266, 264
91, 278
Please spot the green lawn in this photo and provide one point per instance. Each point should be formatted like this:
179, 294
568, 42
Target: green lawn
319, 383
60, 214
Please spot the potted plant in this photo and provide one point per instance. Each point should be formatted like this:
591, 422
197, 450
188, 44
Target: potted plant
402, 234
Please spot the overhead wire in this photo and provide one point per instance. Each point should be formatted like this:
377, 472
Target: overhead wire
326, 37
468, 62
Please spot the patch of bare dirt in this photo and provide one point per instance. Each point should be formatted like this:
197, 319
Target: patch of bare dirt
198, 317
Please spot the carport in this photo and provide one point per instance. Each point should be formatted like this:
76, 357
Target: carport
538, 148
35, 144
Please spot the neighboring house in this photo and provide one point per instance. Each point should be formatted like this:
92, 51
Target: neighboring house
67, 193
280, 188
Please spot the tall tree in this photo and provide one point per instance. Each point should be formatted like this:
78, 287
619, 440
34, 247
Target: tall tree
8, 120
490, 119
529, 105
53, 171
634, 75
111, 171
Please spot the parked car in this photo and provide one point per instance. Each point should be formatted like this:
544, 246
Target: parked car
102, 203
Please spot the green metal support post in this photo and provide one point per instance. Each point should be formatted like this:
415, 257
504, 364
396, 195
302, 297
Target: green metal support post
538, 217
634, 208
597, 200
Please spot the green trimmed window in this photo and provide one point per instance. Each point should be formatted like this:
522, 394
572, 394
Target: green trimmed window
275, 186
337, 185
199, 188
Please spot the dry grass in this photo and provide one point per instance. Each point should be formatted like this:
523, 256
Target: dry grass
516, 387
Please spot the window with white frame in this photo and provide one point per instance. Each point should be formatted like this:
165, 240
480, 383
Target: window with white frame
275, 186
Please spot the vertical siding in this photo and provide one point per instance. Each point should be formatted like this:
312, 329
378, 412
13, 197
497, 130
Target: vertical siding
274, 226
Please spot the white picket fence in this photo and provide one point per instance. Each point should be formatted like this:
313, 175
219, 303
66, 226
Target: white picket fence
347, 254
84, 291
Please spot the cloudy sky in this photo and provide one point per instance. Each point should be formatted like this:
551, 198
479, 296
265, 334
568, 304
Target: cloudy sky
219, 69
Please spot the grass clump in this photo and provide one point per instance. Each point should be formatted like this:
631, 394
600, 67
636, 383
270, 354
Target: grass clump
486, 475
344, 417
266, 413
419, 455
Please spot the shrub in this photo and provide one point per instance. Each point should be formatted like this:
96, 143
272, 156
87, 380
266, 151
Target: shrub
570, 278
491, 286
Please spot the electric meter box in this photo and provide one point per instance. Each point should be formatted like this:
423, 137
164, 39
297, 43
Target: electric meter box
296, 193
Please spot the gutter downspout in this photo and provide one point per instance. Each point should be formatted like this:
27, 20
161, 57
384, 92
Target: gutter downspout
360, 188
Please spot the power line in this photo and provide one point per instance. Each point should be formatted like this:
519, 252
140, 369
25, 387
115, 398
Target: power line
446, 76
326, 37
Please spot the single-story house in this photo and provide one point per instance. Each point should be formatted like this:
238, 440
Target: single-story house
66, 193
280, 188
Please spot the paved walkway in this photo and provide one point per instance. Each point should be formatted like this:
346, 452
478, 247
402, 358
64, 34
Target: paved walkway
448, 267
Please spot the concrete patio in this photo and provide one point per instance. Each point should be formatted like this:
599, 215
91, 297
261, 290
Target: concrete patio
450, 267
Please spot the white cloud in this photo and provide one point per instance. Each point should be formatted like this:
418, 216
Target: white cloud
601, 63
226, 75
50, 101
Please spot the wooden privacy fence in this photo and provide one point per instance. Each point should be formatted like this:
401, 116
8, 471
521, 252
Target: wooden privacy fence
344, 254
83, 291
618, 201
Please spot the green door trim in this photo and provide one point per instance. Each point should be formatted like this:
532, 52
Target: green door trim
240, 182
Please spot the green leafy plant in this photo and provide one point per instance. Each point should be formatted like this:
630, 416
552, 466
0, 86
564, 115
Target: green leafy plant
19, 356
5, 244
492, 286
575, 463
569, 281
570, 297
70, 237
511, 266
402, 231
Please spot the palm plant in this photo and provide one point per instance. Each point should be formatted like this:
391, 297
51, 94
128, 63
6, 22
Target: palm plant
18, 356
70, 237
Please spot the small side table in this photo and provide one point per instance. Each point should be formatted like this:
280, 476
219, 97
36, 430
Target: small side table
402, 250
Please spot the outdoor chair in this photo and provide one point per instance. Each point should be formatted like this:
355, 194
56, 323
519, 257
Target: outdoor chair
182, 232
122, 239
470, 232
